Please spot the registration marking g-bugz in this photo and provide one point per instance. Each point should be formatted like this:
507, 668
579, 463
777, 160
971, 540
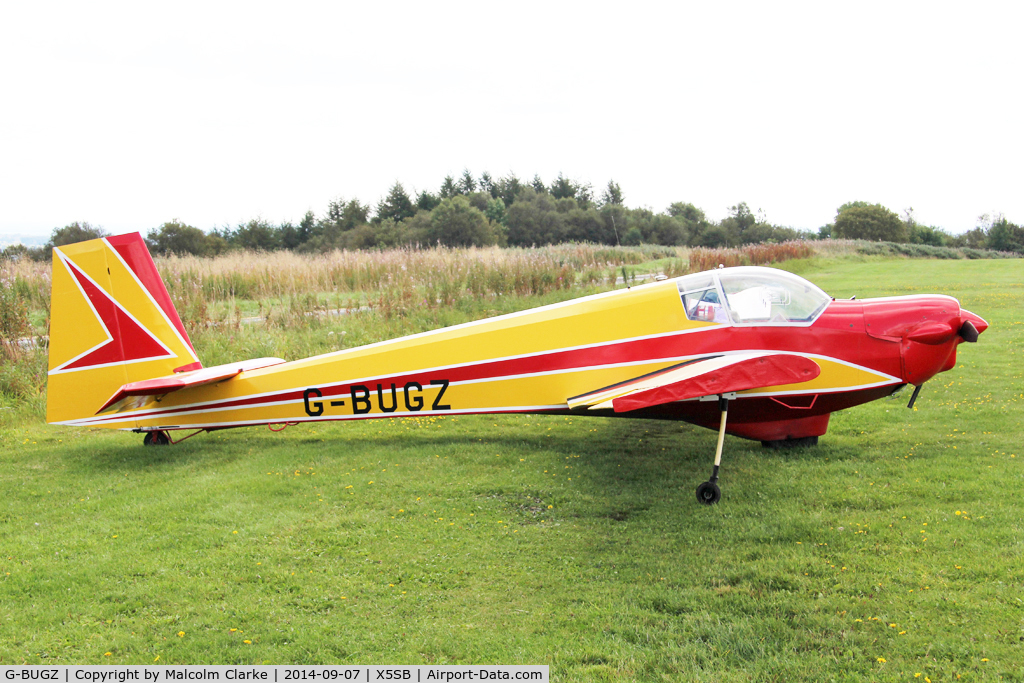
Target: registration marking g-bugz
362, 397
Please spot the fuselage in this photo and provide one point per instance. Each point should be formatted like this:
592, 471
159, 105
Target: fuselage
533, 361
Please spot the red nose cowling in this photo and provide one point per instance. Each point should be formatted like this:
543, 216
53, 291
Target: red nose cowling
928, 330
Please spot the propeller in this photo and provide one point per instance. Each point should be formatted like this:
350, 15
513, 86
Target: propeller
968, 332
935, 332
971, 327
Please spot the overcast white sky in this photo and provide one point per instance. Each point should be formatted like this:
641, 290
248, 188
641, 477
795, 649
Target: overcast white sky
130, 114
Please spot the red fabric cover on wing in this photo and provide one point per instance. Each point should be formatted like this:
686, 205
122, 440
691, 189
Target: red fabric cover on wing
750, 373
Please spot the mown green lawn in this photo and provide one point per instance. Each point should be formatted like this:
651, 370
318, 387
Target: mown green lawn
892, 549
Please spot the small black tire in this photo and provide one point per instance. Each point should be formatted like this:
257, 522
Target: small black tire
708, 493
156, 439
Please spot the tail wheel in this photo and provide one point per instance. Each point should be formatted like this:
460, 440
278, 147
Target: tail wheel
156, 439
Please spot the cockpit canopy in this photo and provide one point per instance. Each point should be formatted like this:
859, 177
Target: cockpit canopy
751, 296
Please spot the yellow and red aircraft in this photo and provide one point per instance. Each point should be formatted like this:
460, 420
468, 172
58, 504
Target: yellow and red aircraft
754, 352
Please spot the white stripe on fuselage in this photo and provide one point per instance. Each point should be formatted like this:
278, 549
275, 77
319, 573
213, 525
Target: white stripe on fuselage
193, 409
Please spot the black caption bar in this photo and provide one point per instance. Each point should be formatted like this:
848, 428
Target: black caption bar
123, 673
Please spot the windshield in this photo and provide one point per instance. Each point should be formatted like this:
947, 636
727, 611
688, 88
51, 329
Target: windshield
755, 295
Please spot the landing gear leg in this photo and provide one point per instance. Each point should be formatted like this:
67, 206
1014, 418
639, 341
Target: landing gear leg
708, 493
156, 439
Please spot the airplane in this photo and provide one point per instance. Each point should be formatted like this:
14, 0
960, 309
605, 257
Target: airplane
754, 352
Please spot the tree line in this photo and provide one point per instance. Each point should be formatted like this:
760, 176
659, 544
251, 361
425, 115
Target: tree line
508, 211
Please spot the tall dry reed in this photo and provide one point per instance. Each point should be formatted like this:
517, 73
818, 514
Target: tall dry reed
749, 255
392, 282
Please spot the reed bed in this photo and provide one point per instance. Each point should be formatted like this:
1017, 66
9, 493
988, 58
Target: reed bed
22, 355
28, 281
284, 288
293, 288
750, 255
253, 275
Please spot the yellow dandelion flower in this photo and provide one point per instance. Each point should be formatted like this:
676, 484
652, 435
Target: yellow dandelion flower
881, 660
107, 654
181, 634
247, 642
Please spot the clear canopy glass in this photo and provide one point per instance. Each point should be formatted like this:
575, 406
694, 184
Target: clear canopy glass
751, 295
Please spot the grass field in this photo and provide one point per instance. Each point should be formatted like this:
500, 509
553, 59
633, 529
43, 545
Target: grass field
890, 552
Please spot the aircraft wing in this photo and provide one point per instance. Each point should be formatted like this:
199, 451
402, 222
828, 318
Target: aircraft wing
137, 394
707, 377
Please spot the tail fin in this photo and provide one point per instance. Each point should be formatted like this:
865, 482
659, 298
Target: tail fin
111, 322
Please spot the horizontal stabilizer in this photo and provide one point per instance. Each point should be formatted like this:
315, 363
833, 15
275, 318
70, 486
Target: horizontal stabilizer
719, 375
137, 394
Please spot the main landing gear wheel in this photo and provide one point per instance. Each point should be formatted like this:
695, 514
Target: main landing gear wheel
708, 493
156, 439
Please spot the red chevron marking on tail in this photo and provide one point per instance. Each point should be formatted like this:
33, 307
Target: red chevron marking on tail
127, 340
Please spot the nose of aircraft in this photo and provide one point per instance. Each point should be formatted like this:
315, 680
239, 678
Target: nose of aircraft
971, 326
928, 328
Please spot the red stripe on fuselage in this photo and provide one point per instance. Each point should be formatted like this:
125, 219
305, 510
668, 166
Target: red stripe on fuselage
835, 334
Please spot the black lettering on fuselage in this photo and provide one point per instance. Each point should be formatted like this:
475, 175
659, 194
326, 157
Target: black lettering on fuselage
443, 383
360, 399
380, 399
315, 408
416, 402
